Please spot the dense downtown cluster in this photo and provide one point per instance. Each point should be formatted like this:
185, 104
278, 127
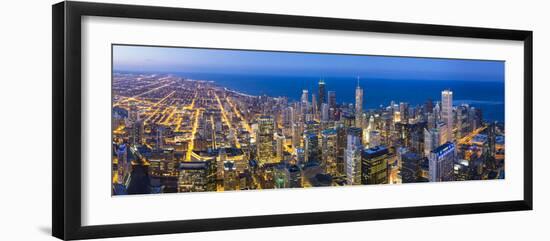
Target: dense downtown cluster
174, 134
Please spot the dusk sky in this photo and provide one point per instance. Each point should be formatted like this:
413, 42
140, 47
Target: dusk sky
195, 60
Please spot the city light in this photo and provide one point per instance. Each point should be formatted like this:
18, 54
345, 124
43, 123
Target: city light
173, 133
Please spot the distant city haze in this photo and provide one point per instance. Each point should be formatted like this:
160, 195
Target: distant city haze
384, 78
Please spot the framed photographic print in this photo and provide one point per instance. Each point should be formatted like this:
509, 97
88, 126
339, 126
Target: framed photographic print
171, 120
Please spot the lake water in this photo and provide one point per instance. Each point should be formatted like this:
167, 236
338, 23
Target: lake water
488, 96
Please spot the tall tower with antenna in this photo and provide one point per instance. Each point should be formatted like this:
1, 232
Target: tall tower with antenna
322, 94
358, 104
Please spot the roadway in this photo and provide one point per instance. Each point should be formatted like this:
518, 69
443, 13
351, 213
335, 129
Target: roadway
227, 121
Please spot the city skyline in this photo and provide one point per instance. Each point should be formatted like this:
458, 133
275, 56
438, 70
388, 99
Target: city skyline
176, 133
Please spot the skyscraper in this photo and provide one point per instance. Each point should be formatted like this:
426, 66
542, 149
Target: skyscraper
431, 140
341, 143
314, 104
230, 176
332, 99
296, 135
410, 167
443, 129
312, 127
353, 160
329, 150
404, 112
322, 93
264, 138
305, 96
447, 111
311, 146
325, 112
354, 131
196, 176
358, 104
429, 106
374, 138
279, 147
374, 165
137, 132
441, 161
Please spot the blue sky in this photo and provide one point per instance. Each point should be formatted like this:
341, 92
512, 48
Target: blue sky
195, 60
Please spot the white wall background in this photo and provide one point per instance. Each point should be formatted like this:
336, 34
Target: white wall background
25, 120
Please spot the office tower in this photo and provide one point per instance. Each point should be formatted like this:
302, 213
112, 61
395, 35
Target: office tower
347, 119
443, 129
329, 150
322, 94
364, 121
462, 124
325, 117
279, 146
305, 96
287, 116
264, 139
404, 112
314, 104
353, 160
366, 131
295, 176
375, 139
478, 118
429, 106
196, 176
311, 147
447, 112
341, 143
441, 161
430, 121
372, 125
431, 140
358, 103
123, 164
298, 113
374, 165
331, 99
312, 127
365, 136
354, 131
230, 176
472, 118
296, 136
437, 112
137, 132
410, 167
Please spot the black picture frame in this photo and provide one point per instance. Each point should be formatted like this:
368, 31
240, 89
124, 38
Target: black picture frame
66, 128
